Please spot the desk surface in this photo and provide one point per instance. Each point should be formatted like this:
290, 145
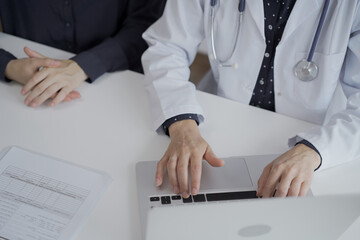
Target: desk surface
110, 129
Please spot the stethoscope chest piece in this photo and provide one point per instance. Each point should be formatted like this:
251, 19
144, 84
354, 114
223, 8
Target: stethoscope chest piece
306, 71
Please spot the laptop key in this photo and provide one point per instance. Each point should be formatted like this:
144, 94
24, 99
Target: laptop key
154, 199
230, 196
199, 198
176, 197
165, 200
187, 200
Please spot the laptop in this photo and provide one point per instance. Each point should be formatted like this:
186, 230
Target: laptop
236, 180
310, 218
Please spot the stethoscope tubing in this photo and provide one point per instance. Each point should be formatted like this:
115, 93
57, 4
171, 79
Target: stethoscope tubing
318, 31
241, 8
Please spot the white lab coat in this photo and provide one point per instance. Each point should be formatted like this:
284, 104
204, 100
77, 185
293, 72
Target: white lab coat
175, 37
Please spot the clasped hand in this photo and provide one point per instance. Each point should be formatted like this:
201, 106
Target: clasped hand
46, 78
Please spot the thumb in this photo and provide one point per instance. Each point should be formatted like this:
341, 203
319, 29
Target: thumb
210, 157
33, 54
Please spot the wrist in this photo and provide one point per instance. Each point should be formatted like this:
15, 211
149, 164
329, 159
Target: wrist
79, 71
184, 126
310, 153
9, 69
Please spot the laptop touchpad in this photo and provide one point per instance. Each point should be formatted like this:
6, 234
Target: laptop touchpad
233, 175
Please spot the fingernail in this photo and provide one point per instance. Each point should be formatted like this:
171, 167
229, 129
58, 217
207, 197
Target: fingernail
176, 190
194, 191
52, 104
157, 182
33, 105
23, 92
185, 195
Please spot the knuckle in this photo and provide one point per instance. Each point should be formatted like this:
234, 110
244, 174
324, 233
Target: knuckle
282, 191
182, 167
34, 80
50, 91
196, 167
291, 171
40, 88
196, 155
278, 168
171, 164
54, 88
172, 160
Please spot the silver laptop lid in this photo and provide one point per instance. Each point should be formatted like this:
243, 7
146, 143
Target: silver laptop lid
237, 179
324, 217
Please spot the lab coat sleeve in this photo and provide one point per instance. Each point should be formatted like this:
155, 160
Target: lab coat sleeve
338, 141
173, 42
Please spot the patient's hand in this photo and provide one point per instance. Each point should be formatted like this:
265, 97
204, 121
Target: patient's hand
24, 69
290, 174
53, 82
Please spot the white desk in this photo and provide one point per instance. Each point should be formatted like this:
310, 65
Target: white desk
110, 129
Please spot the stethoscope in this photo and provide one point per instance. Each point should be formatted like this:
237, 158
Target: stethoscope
306, 70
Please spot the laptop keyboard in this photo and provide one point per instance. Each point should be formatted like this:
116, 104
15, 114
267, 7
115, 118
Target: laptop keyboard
209, 197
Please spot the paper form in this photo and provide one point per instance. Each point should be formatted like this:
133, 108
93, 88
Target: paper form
42, 198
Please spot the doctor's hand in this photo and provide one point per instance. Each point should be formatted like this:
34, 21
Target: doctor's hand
187, 148
53, 82
290, 175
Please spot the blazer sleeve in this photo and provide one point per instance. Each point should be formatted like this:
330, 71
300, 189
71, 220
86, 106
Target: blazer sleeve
338, 141
173, 42
5, 58
122, 51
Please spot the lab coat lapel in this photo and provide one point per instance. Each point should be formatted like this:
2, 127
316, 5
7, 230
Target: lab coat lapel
256, 10
300, 13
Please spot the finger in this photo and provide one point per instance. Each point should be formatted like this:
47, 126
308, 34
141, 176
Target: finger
41, 63
33, 54
305, 186
183, 175
195, 166
262, 180
71, 96
38, 89
294, 189
160, 167
60, 96
211, 158
67, 99
271, 182
171, 168
36, 79
45, 95
74, 95
284, 185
